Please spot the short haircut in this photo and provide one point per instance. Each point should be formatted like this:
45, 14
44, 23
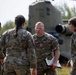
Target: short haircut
72, 21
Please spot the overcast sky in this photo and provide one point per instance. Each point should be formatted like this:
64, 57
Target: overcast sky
11, 8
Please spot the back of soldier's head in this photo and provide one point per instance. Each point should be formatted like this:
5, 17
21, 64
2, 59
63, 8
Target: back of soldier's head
72, 21
19, 20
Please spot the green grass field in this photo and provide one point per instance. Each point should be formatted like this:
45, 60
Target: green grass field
63, 71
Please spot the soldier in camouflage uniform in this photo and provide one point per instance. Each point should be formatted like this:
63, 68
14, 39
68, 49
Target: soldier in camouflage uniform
20, 52
46, 47
72, 27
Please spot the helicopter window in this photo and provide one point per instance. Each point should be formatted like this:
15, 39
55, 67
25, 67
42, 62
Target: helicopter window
48, 14
48, 11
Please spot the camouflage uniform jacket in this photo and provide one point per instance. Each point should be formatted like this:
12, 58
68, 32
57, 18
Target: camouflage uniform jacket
45, 46
19, 50
73, 46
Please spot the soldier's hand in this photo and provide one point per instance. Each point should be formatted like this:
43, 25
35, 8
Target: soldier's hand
54, 66
34, 71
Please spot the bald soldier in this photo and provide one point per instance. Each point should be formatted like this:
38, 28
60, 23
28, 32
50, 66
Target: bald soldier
46, 47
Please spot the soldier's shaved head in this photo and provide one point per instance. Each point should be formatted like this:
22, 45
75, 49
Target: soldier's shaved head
39, 23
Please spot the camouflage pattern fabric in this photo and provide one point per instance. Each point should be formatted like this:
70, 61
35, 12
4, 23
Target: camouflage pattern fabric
73, 53
45, 47
0, 69
20, 52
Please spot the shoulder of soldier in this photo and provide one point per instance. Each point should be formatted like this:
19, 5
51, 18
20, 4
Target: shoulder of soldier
29, 34
49, 36
34, 35
7, 31
73, 35
24, 32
